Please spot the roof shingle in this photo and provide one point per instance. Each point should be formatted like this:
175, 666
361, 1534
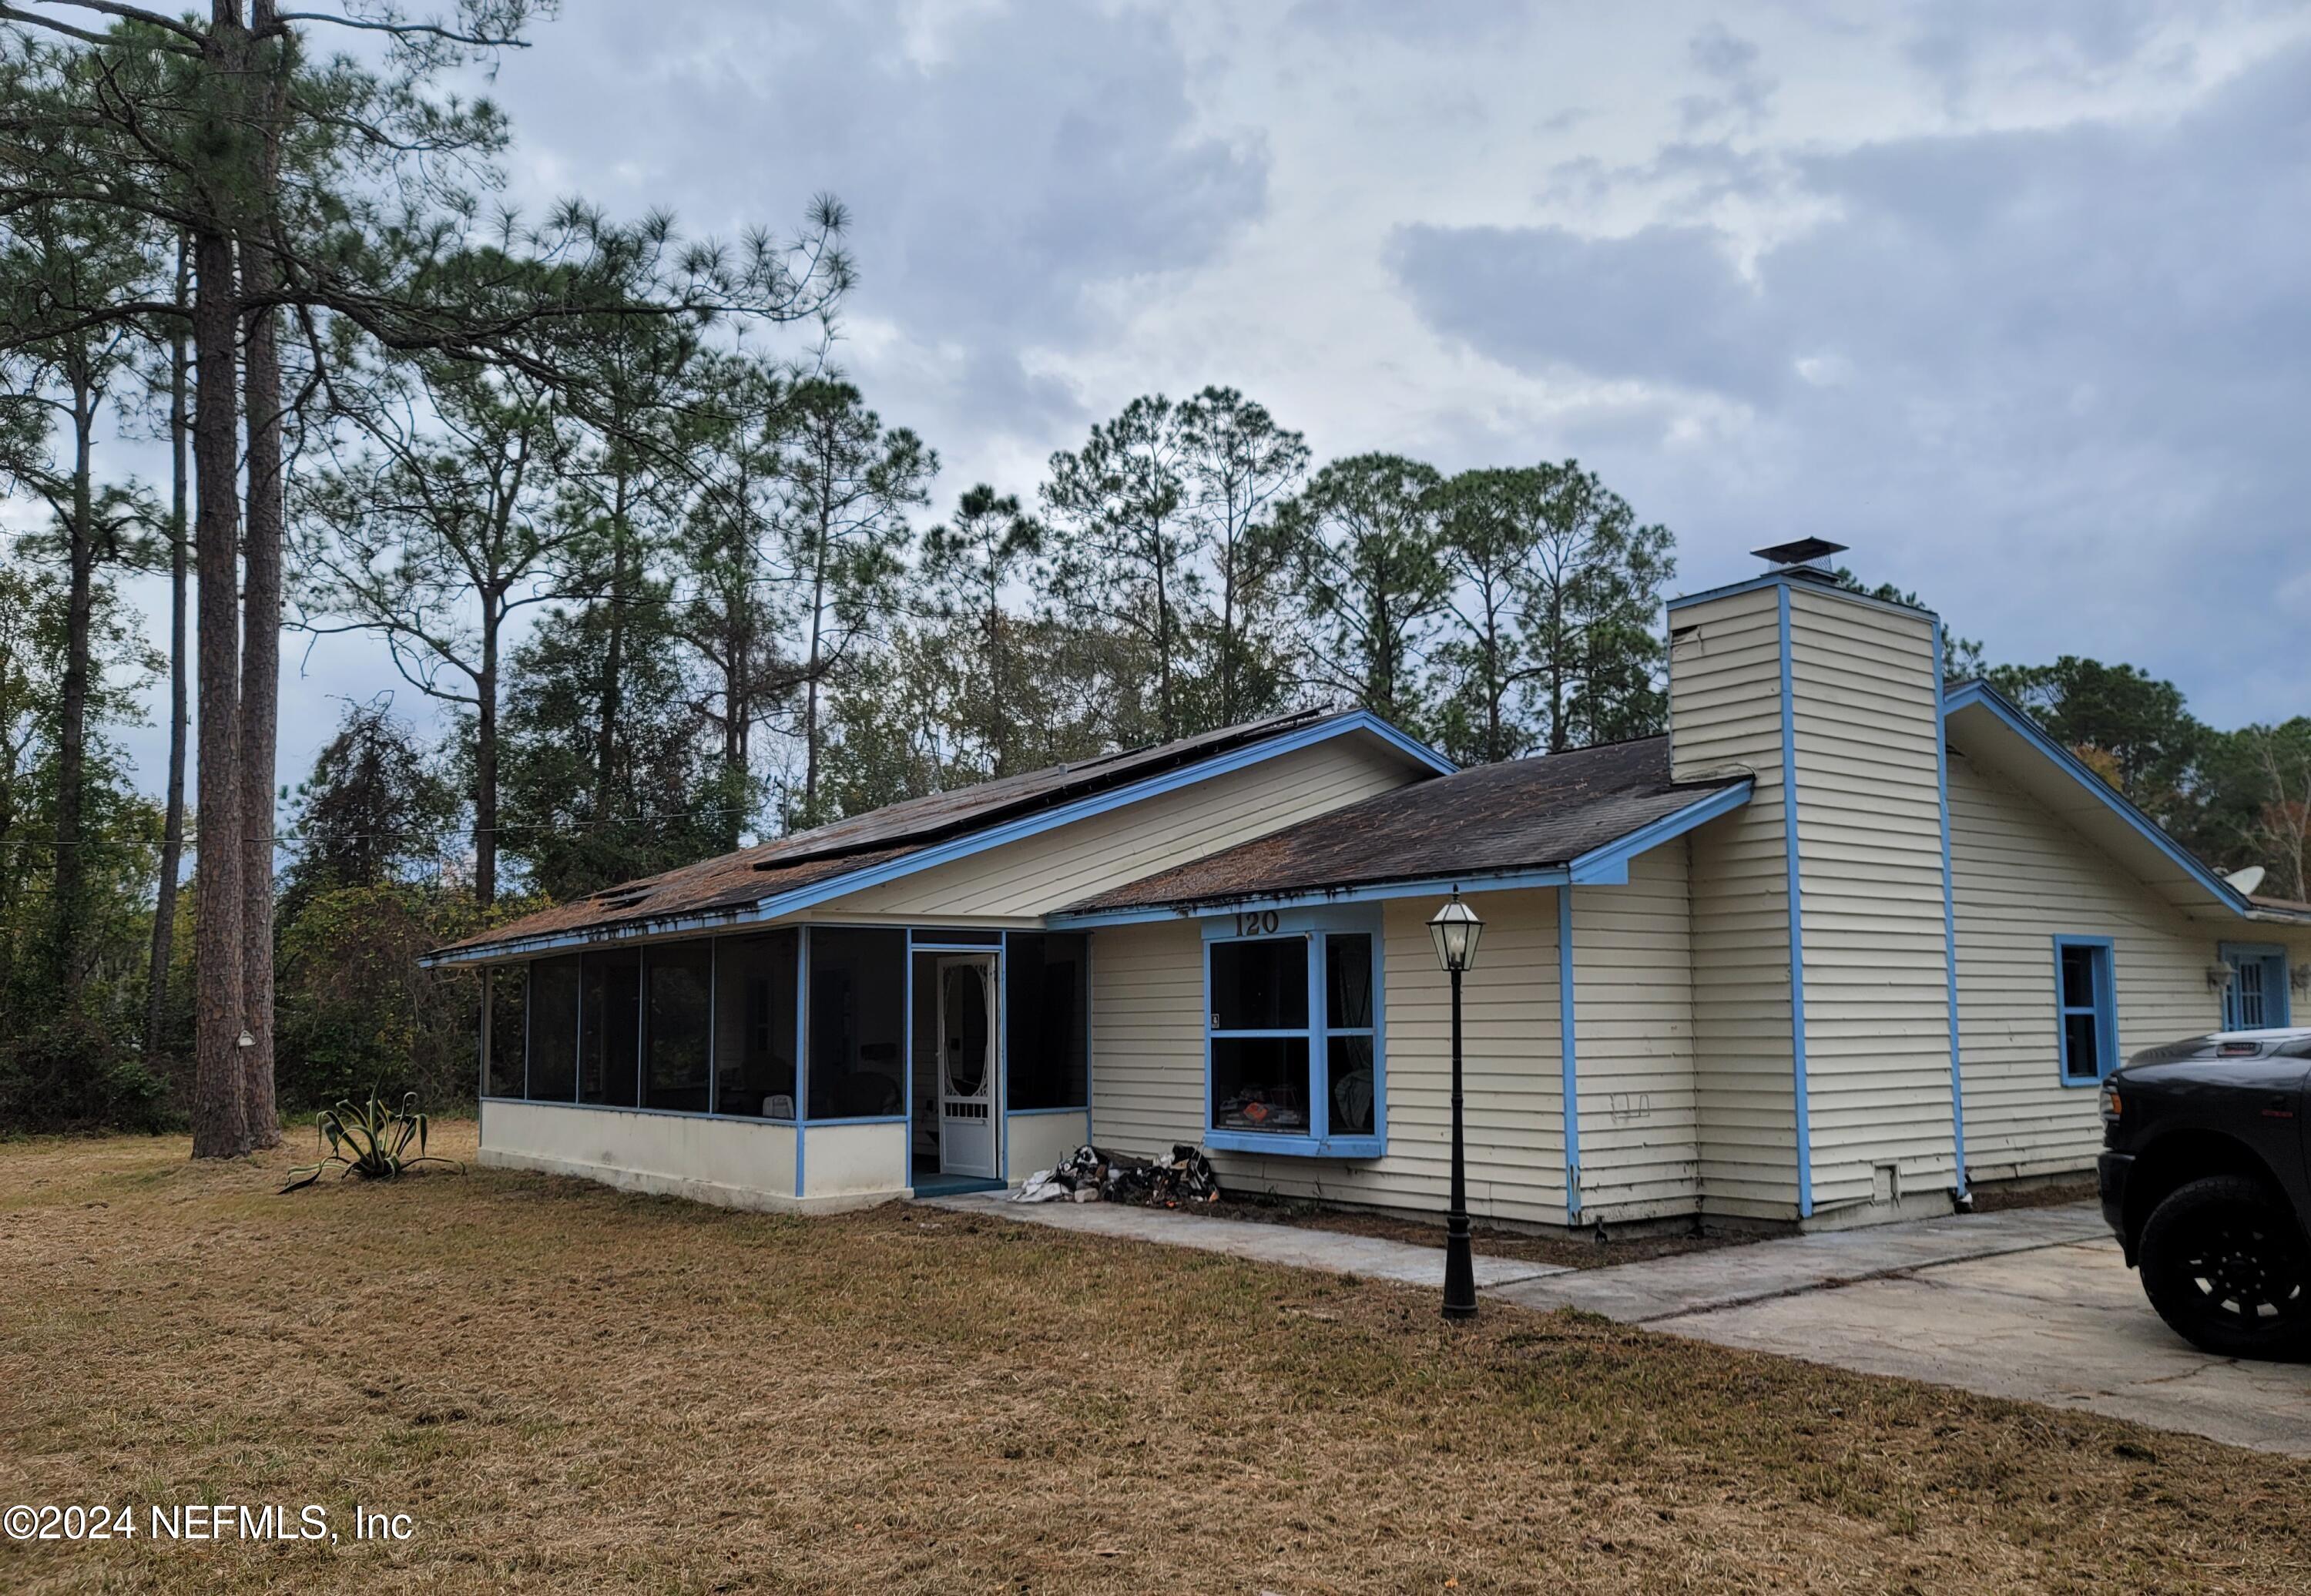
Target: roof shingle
1523, 814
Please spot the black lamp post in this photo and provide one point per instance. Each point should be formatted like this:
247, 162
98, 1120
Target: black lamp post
1454, 930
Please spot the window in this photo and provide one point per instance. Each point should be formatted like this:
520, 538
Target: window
507, 986
2086, 1015
609, 1027
1293, 1044
1046, 1003
858, 1023
2256, 997
755, 1024
675, 1068
554, 1030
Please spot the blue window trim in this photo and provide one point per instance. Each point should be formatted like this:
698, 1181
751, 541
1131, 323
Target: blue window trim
2105, 1009
1310, 926
2231, 953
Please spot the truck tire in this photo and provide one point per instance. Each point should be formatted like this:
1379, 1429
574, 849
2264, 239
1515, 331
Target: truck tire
2225, 1265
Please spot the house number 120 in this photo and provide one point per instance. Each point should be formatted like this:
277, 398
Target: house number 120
1258, 923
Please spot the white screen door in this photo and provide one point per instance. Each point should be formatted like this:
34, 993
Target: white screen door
968, 1057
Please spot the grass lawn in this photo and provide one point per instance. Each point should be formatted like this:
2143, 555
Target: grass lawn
572, 1390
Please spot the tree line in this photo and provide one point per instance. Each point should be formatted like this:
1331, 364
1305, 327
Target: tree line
663, 588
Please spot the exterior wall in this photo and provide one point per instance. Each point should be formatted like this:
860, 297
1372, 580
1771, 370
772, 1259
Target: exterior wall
1725, 714
1038, 1140
1867, 708
843, 1160
1021, 881
1148, 1063
1633, 1031
2023, 877
734, 1163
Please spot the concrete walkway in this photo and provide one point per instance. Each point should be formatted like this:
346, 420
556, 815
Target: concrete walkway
1293, 1245
2035, 1303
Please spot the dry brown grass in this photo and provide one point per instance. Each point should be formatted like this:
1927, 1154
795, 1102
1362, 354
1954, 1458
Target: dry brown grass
572, 1390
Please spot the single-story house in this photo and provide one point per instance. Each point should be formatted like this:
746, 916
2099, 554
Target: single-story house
1842, 943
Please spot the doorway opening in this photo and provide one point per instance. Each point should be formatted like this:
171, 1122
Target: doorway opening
956, 1115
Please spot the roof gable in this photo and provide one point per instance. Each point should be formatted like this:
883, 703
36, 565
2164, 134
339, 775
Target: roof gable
795, 872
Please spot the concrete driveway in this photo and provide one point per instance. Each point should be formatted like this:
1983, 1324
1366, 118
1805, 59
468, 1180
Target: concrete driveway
2035, 1303
2031, 1303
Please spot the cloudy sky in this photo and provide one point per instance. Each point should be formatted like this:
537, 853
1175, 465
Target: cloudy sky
2015, 299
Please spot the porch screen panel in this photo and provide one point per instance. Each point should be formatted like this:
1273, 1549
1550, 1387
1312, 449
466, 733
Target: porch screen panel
674, 1022
755, 1024
1046, 1013
508, 986
553, 1017
610, 1027
858, 1023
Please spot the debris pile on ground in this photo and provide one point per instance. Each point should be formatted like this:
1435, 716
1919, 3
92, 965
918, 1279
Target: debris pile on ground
1095, 1174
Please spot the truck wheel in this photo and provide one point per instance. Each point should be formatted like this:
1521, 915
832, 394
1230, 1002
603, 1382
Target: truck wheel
2226, 1266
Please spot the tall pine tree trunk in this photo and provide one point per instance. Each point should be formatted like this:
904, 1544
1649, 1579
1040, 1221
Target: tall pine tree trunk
68, 936
172, 828
261, 681
486, 758
220, 1113
260, 649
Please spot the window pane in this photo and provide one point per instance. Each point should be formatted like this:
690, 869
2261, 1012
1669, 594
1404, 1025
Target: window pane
609, 1056
2247, 982
675, 1075
1260, 985
508, 985
1046, 1008
1261, 1083
1351, 1084
2077, 977
554, 1030
858, 1021
2080, 1036
1348, 981
755, 1026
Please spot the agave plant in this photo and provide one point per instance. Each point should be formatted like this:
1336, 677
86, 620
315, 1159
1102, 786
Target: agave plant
369, 1140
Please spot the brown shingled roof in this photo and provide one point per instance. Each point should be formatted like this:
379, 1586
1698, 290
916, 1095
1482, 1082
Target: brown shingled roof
1524, 814
752, 874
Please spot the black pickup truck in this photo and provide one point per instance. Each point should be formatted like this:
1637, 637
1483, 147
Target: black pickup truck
2206, 1177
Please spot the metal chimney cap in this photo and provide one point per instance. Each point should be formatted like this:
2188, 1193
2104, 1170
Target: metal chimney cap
1805, 551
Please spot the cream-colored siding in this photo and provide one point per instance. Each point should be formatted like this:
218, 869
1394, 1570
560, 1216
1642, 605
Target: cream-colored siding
1633, 1027
1865, 706
1148, 1071
2024, 878
1019, 882
1726, 716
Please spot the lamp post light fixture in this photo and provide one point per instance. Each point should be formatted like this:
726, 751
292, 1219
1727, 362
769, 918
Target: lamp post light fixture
1454, 928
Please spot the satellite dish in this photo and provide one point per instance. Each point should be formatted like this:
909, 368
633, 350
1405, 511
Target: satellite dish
2248, 879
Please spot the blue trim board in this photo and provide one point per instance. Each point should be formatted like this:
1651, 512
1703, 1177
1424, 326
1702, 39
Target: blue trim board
2106, 1010
1799, 1092
782, 905
1569, 1084
1605, 865
1949, 916
1981, 695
